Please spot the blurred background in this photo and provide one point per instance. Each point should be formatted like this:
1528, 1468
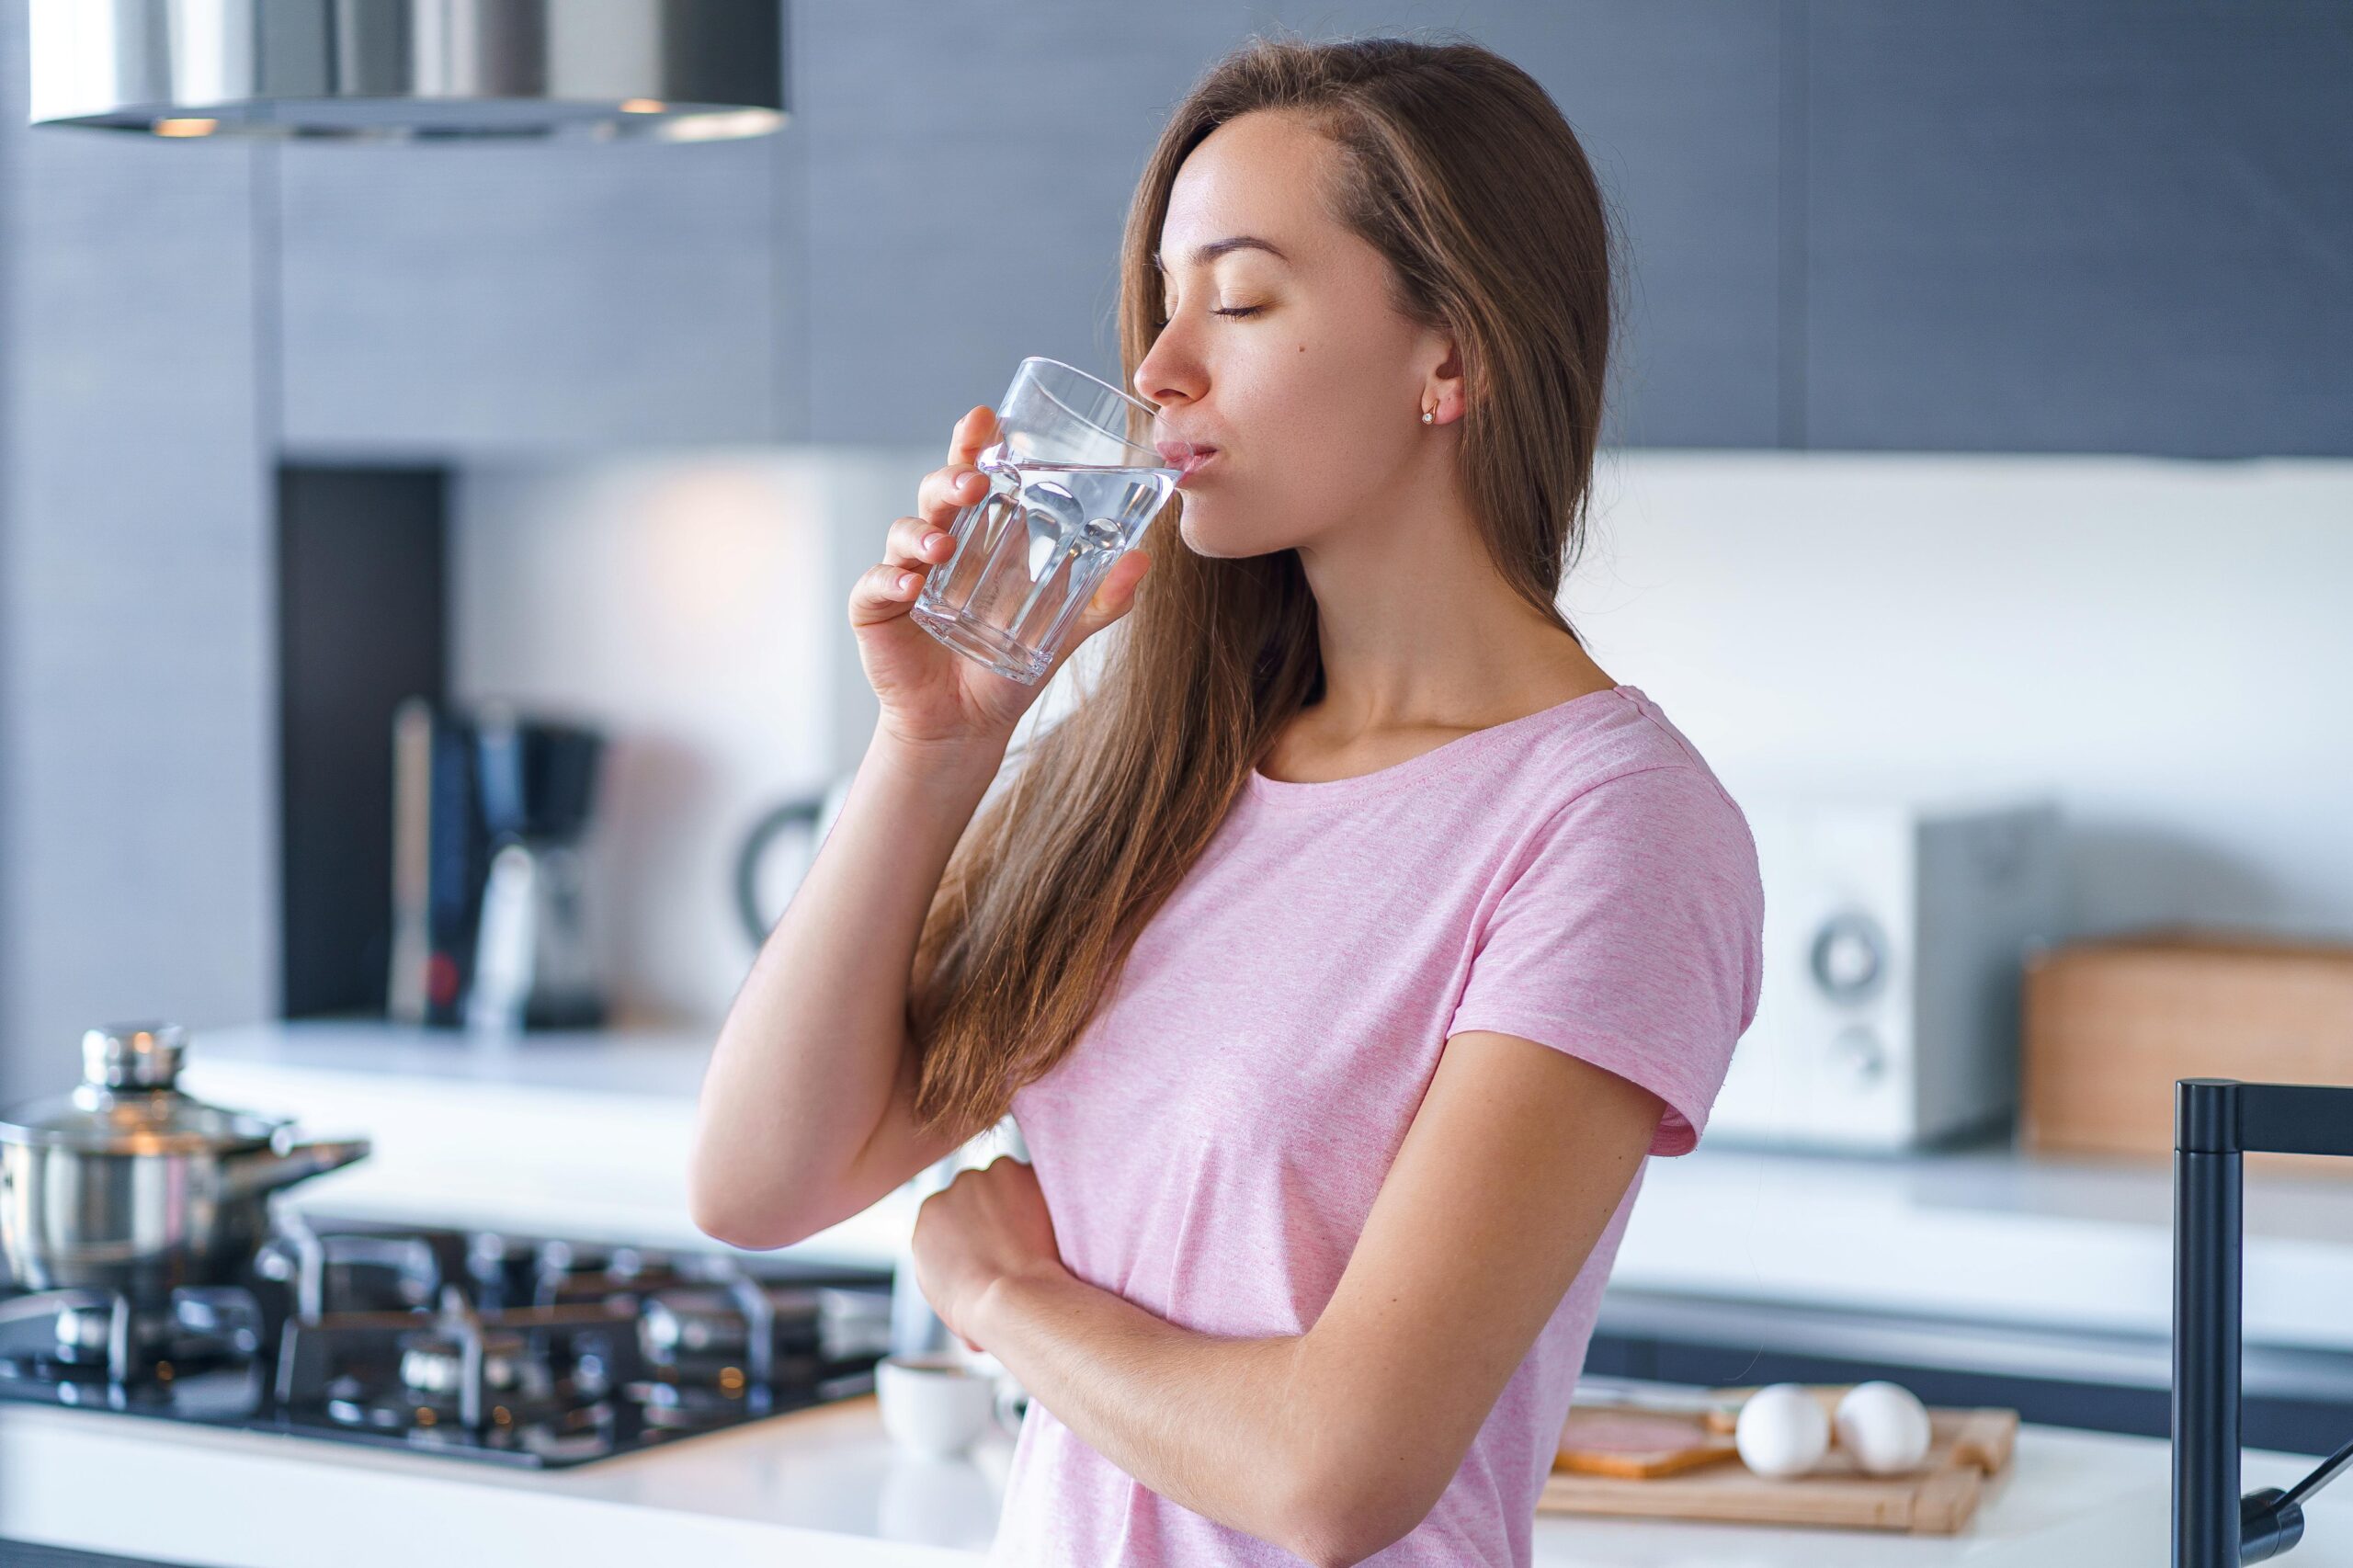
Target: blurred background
1981, 431
1982, 411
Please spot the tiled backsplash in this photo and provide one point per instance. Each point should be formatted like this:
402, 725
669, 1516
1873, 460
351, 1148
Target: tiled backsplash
2160, 644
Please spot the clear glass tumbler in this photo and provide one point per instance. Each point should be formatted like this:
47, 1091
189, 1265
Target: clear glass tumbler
1071, 489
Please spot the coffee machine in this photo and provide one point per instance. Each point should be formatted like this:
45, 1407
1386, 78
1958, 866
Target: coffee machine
492, 917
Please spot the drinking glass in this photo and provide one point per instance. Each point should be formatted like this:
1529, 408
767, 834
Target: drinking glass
1070, 489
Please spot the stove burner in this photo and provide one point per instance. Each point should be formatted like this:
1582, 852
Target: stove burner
477, 1345
102, 1336
692, 1407
433, 1364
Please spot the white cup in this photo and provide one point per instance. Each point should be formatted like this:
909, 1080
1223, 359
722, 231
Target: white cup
938, 1404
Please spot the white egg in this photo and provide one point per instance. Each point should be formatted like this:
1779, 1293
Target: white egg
1884, 1426
1781, 1430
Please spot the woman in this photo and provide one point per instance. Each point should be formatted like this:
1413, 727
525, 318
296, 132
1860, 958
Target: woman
1344, 953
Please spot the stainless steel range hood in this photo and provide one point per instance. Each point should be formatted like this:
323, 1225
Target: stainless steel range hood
402, 70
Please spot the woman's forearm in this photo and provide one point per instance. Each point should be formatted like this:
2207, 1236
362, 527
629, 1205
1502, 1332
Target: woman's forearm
1208, 1423
805, 1062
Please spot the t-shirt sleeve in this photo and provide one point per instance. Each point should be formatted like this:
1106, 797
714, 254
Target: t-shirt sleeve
1630, 933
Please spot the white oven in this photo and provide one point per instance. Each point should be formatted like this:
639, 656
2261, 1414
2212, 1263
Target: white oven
1894, 935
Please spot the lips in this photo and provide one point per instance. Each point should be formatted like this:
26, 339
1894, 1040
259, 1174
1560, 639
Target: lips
1187, 457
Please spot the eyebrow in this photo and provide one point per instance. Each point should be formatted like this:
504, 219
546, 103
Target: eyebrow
1215, 248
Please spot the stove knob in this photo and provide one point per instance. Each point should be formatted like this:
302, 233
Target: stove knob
1857, 1049
1849, 956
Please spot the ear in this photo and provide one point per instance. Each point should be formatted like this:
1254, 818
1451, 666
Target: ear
1444, 389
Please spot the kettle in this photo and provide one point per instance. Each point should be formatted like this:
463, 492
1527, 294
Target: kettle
805, 818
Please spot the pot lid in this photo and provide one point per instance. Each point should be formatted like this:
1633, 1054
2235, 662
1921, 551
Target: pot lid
128, 1103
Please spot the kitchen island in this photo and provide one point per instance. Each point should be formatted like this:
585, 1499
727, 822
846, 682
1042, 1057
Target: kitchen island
826, 1486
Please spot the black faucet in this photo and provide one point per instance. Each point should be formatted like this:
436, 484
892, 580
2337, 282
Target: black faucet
2215, 1122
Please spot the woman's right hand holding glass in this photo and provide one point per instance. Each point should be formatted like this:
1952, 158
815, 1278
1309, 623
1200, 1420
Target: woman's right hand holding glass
931, 696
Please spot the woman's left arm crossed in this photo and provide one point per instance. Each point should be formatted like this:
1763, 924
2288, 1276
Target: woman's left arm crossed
1338, 1441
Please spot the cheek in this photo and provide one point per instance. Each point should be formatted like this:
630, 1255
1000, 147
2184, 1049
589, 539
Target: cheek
1325, 424
1321, 390
1322, 440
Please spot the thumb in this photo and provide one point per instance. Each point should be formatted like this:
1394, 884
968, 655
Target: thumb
1113, 597
1116, 594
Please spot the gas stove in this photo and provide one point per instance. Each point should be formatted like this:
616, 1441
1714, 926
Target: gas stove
473, 1343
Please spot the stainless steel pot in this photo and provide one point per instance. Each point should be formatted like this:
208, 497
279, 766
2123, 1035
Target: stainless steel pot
127, 1184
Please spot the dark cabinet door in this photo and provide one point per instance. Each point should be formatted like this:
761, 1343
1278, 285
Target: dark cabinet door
2103, 226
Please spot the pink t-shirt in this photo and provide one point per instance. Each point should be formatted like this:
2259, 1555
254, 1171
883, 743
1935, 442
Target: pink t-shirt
1210, 1147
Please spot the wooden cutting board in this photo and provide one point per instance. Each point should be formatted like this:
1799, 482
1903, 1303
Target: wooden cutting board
1685, 1466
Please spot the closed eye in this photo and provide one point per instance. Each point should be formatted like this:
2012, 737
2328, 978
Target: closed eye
1239, 311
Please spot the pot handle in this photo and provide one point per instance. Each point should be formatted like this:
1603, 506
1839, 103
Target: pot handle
268, 1170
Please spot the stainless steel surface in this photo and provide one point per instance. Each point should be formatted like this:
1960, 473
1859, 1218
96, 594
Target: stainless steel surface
128, 1103
126, 1184
134, 1058
409, 986
676, 70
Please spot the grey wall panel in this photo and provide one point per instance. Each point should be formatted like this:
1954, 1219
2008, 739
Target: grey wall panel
446, 300
961, 219
2111, 225
788, 241
11, 69
969, 169
139, 748
1677, 104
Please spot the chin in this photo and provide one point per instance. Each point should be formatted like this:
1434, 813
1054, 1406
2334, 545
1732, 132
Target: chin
1207, 538
1213, 531
1202, 535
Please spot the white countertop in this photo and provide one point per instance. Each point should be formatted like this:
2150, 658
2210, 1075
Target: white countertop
826, 1486
586, 1136
589, 1134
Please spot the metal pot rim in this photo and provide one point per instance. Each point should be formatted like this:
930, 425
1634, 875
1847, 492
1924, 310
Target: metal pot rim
249, 1134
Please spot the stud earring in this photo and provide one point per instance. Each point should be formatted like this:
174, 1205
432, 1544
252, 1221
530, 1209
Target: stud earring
1427, 416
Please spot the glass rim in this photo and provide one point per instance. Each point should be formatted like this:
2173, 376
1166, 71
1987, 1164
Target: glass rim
1151, 412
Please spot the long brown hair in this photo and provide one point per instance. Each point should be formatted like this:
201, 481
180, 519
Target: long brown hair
1459, 169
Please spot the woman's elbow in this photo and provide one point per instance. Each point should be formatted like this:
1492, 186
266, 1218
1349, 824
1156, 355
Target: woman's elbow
1341, 1543
731, 1230
1340, 1523
722, 1223
716, 1205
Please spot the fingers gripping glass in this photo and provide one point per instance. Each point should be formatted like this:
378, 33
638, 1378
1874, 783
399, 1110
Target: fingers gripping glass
1069, 491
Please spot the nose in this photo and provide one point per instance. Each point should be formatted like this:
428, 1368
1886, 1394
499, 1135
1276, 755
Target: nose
1170, 371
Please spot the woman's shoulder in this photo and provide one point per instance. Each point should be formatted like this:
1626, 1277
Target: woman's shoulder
1627, 742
